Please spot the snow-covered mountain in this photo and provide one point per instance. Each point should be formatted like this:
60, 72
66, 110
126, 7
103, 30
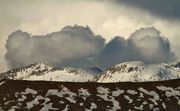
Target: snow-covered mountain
137, 71
41, 71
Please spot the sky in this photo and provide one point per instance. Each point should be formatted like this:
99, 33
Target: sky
115, 29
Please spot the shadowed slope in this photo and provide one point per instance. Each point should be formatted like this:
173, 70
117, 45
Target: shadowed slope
40, 95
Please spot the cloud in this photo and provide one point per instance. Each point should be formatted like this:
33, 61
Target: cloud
151, 45
122, 26
109, 20
163, 8
77, 46
145, 44
57, 48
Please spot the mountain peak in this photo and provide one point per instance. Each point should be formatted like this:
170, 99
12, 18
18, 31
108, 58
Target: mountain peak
137, 71
131, 64
40, 66
134, 71
44, 72
175, 65
25, 72
127, 67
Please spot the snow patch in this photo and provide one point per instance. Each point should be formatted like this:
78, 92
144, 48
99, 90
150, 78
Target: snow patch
151, 93
117, 92
64, 91
128, 98
29, 91
1, 83
132, 92
92, 107
34, 102
139, 108
83, 93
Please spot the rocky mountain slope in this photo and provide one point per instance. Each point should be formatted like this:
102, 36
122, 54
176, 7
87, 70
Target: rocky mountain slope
135, 71
44, 92
41, 71
138, 71
18, 95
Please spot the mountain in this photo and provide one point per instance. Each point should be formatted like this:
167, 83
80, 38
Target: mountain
18, 95
137, 71
41, 71
52, 92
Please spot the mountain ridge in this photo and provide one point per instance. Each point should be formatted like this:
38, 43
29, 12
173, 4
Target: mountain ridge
138, 71
42, 71
135, 71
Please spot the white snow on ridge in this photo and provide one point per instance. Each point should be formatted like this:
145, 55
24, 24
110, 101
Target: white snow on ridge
135, 71
131, 64
62, 75
138, 71
44, 72
25, 72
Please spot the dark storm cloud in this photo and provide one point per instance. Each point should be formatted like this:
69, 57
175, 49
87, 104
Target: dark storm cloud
77, 46
164, 8
58, 48
145, 44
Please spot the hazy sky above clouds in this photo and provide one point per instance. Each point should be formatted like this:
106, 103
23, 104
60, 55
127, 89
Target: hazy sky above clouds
108, 18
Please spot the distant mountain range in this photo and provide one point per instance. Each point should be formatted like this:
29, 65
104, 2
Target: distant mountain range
42, 71
135, 71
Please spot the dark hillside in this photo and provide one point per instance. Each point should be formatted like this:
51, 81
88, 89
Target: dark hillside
40, 95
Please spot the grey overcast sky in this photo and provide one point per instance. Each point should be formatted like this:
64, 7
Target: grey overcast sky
164, 8
108, 18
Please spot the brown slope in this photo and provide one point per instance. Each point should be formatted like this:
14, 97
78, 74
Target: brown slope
36, 95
